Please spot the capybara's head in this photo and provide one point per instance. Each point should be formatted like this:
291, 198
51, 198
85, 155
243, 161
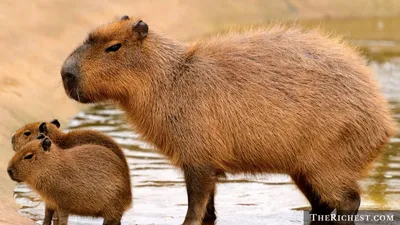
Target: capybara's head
31, 131
111, 63
29, 159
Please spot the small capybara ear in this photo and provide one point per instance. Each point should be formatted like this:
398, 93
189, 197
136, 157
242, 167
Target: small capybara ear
43, 128
55, 122
40, 136
141, 29
125, 17
46, 143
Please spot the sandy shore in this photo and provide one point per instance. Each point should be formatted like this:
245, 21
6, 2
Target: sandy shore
37, 35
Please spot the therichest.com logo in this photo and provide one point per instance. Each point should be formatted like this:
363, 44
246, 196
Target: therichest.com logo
367, 217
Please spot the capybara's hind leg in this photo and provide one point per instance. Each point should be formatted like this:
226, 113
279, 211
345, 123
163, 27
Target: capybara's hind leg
200, 183
48, 216
350, 202
62, 217
317, 205
341, 191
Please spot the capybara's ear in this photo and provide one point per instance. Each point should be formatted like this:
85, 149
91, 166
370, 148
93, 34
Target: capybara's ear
125, 17
141, 29
40, 136
55, 122
43, 128
46, 143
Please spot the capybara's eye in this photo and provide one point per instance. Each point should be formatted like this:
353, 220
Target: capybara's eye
113, 48
29, 156
27, 133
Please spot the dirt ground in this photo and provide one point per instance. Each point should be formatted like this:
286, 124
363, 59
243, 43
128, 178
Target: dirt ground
37, 35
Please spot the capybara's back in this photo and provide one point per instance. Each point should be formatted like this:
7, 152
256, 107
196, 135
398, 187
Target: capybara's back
304, 96
99, 178
280, 100
291, 98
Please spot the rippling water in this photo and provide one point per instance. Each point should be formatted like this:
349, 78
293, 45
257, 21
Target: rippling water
160, 195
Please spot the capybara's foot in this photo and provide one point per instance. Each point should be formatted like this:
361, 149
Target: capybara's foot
321, 208
209, 217
111, 222
191, 223
208, 223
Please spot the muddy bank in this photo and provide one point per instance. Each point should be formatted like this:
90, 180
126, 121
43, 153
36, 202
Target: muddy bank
37, 35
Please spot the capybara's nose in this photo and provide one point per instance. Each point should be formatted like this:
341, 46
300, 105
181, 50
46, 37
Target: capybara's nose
13, 140
67, 76
10, 172
69, 71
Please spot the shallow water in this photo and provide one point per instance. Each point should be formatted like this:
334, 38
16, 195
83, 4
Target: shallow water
159, 190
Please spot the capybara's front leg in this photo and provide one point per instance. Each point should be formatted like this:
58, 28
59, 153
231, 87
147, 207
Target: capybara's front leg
210, 215
62, 217
48, 216
200, 184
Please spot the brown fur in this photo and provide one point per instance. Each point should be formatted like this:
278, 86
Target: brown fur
64, 140
276, 100
87, 180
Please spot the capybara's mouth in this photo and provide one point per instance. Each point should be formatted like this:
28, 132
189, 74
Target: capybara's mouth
71, 84
15, 179
77, 95
73, 92
12, 176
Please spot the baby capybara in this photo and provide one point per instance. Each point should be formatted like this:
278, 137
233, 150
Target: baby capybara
87, 180
63, 140
267, 100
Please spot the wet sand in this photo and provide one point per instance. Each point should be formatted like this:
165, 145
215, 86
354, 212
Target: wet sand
37, 35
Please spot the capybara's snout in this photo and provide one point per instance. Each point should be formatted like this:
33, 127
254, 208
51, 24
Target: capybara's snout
71, 76
70, 73
11, 173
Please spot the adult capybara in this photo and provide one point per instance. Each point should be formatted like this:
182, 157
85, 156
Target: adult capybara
267, 100
64, 140
87, 180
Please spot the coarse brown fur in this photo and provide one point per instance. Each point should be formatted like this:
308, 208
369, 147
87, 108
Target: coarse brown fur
65, 140
268, 100
87, 180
